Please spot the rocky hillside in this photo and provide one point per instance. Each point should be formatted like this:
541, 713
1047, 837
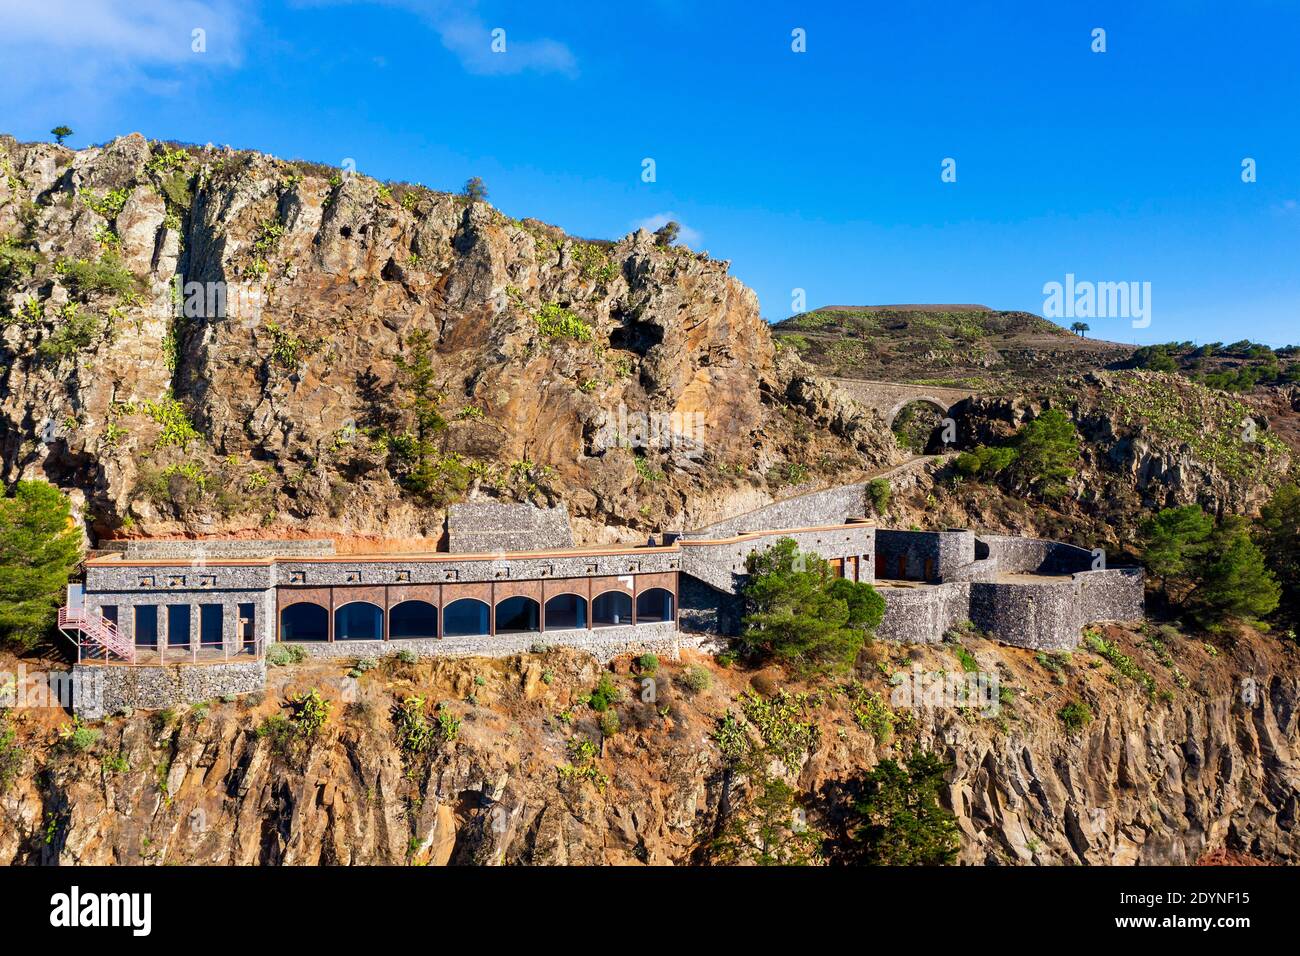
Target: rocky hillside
287, 411
1148, 440
962, 346
1190, 749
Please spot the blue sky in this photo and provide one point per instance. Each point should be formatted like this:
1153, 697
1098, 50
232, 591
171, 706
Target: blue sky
817, 171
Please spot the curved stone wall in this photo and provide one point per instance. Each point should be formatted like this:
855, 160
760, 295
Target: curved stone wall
1039, 615
1035, 555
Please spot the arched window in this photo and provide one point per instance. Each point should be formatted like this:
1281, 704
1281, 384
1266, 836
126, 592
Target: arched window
655, 604
413, 619
566, 612
464, 617
517, 615
611, 608
304, 622
359, 621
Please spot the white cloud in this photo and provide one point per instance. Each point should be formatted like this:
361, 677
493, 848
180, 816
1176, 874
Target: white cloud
686, 235
467, 35
78, 55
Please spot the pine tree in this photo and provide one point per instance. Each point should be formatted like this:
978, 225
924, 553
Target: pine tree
898, 821
1279, 539
39, 549
770, 830
1176, 539
1047, 449
1234, 580
799, 613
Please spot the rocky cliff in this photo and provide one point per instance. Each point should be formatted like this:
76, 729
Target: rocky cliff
1190, 750
203, 340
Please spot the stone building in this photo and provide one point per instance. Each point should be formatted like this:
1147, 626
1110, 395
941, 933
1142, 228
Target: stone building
166, 621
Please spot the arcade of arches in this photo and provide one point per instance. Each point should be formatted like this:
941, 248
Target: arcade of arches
436, 611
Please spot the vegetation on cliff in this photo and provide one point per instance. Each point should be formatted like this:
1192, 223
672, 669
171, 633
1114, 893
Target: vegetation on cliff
39, 549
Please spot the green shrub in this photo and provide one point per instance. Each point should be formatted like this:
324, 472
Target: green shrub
414, 732
609, 725
77, 738
606, 694
109, 205
106, 275
967, 659
648, 664
984, 461
899, 821
582, 763
697, 678
1075, 715
177, 429
115, 763
645, 471
871, 712
880, 492
281, 655
556, 322
12, 755
448, 725
784, 725
309, 712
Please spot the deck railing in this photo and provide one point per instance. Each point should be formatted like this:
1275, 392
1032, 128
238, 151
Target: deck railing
100, 642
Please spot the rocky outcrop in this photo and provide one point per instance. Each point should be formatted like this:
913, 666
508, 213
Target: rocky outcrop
266, 388
1151, 440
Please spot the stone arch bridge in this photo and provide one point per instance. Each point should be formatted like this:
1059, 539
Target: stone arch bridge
888, 398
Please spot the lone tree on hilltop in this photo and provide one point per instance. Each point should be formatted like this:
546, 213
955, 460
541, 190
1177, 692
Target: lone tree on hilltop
39, 550
1080, 329
667, 234
475, 190
60, 133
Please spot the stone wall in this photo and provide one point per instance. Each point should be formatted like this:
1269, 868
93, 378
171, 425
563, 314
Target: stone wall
604, 643
191, 550
486, 527
1117, 594
1036, 555
832, 506
948, 555
922, 614
704, 609
120, 687
1039, 616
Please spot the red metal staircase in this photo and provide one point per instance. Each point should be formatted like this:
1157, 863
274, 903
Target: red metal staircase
99, 631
